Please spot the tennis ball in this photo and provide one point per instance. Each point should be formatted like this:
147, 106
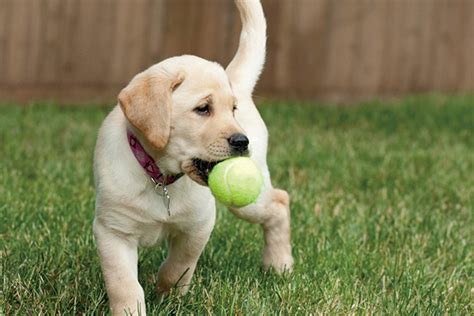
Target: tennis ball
236, 181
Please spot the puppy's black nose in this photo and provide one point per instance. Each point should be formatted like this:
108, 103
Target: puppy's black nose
238, 142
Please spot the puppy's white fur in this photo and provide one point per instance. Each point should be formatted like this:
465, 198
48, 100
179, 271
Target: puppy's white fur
129, 213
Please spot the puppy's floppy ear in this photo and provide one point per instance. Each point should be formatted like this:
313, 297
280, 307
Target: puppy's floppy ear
146, 103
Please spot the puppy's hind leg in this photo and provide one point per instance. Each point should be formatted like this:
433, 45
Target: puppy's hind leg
272, 211
276, 228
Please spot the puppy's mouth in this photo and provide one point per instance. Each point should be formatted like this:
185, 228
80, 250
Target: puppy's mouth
198, 169
204, 167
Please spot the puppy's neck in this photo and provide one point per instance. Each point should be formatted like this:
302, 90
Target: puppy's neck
152, 151
169, 165
164, 164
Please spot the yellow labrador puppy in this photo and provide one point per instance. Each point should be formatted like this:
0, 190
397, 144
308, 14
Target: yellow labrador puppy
173, 123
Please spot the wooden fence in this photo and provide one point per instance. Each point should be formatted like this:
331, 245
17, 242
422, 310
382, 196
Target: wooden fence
83, 50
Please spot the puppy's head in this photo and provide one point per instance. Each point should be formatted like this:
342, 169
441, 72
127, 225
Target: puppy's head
183, 109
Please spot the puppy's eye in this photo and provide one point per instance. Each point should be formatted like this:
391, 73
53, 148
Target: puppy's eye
203, 110
234, 108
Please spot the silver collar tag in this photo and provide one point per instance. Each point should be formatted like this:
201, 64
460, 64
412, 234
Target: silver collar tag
162, 190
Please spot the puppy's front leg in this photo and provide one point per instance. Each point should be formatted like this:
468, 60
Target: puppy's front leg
183, 254
118, 258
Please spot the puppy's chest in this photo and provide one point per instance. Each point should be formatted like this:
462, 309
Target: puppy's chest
150, 219
162, 208
157, 221
171, 207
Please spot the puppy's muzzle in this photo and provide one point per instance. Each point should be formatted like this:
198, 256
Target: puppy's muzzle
239, 143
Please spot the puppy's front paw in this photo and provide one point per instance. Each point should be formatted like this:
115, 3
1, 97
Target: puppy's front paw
173, 277
164, 289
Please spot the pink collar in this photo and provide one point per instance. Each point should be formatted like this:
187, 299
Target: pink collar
148, 163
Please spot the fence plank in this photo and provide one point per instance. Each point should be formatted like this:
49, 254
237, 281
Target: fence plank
467, 62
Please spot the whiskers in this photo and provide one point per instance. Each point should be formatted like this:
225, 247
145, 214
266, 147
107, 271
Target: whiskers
218, 151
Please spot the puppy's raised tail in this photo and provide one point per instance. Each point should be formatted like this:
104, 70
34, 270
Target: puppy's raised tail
247, 64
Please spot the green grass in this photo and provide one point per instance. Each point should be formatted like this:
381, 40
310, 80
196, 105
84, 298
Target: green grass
393, 183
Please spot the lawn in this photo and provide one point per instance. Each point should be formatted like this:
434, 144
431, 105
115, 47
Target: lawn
391, 233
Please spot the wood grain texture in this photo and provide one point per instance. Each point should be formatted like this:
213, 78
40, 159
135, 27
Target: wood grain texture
84, 50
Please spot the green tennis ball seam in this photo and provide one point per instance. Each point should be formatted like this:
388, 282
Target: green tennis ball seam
226, 173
